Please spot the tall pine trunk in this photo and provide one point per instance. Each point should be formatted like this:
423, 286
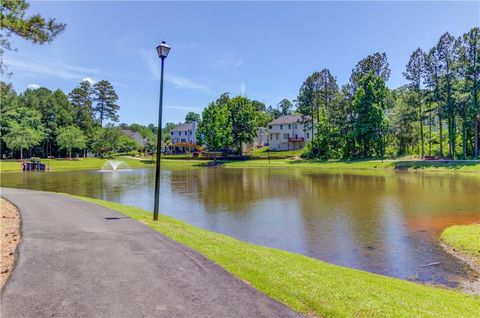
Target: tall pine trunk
476, 137
441, 134
464, 138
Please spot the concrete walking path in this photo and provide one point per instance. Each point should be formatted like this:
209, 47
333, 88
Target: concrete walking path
78, 259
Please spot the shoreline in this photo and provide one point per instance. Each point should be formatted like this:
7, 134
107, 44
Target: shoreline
467, 167
467, 286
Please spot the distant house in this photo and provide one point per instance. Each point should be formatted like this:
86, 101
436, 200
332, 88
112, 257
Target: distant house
183, 138
261, 140
289, 132
135, 135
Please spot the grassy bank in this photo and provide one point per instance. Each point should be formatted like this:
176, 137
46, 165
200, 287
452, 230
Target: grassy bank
91, 164
464, 239
308, 285
468, 166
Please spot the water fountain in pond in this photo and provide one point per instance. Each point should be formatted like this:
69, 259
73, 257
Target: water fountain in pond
114, 165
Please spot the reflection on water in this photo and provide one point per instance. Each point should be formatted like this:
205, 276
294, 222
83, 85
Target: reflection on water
386, 223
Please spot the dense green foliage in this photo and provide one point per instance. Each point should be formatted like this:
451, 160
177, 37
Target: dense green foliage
229, 122
51, 123
366, 120
71, 137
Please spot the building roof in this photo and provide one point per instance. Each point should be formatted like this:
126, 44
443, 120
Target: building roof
288, 119
183, 127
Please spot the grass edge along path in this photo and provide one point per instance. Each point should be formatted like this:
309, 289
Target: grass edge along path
308, 285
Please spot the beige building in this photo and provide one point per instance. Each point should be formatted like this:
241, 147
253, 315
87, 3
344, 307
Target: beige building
289, 132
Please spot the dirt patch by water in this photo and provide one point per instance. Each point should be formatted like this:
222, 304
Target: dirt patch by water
9, 238
471, 286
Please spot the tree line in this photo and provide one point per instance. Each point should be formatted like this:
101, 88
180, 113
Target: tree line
45, 123
436, 114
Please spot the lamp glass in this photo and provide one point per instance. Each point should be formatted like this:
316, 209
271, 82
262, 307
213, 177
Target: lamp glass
163, 50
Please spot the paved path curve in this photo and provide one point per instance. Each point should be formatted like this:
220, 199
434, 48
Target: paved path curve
76, 262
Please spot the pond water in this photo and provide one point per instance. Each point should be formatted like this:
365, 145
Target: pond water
386, 223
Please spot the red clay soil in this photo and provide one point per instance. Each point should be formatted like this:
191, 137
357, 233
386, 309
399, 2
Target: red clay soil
9, 238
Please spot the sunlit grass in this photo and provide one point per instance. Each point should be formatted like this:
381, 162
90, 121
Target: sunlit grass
308, 285
91, 164
463, 238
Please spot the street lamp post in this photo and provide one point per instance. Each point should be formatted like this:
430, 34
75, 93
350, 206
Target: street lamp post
162, 51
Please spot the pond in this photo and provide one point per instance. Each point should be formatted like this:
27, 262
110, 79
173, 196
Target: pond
386, 223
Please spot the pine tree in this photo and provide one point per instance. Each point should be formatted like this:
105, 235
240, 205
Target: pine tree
106, 99
414, 73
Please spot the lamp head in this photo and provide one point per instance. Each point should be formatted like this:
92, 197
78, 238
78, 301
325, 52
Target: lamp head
163, 50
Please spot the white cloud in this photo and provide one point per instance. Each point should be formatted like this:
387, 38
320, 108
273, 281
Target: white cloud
153, 64
183, 82
33, 86
90, 80
31, 67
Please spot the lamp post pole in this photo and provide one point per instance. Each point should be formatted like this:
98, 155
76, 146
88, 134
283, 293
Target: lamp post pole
162, 50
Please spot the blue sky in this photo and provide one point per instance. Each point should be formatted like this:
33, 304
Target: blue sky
263, 50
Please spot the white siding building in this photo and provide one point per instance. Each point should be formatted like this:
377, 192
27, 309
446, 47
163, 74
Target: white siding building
289, 133
183, 138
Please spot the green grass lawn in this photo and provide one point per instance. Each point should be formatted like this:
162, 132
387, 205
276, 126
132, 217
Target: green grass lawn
464, 239
468, 166
310, 286
264, 153
92, 163
409, 165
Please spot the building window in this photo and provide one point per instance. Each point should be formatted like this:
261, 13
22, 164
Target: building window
190, 132
179, 133
281, 127
276, 136
289, 126
296, 126
269, 127
171, 133
285, 136
308, 135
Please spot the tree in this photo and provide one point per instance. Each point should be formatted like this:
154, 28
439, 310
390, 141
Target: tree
376, 63
403, 120
469, 66
191, 116
21, 136
369, 105
414, 73
274, 113
71, 137
215, 131
82, 102
106, 99
432, 81
107, 139
285, 107
35, 28
308, 98
127, 144
446, 58
243, 121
